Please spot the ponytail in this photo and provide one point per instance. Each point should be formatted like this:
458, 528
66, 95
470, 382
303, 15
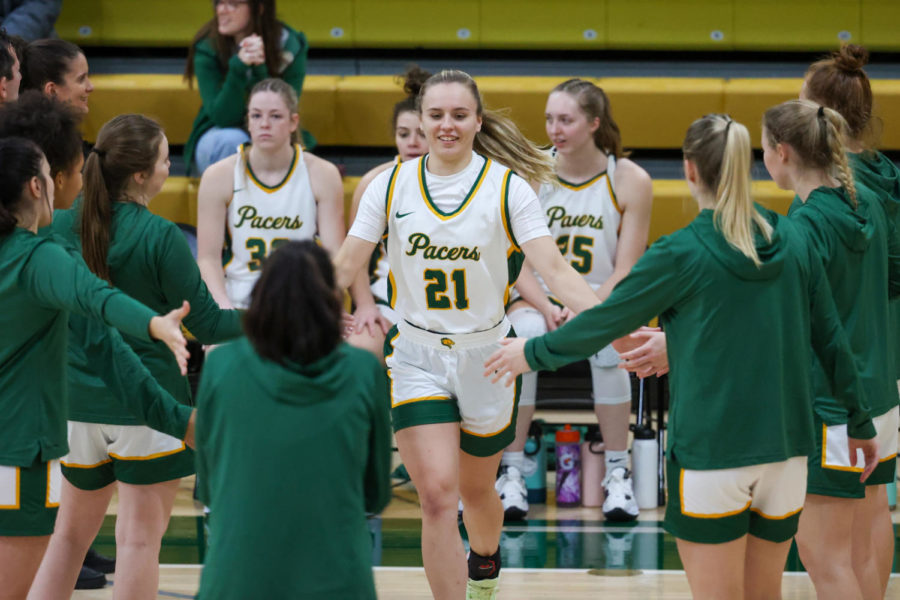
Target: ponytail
126, 145
817, 134
499, 138
720, 149
501, 141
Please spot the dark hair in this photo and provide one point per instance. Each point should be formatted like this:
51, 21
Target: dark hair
840, 83
594, 103
49, 123
295, 309
126, 145
18, 44
20, 160
263, 22
817, 134
412, 79
47, 60
6, 58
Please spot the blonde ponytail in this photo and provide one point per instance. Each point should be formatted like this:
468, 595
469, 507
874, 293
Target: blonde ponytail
818, 136
501, 141
720, 149
499, 138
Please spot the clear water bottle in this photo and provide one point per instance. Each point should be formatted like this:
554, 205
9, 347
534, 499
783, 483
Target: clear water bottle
645, 467
568, 467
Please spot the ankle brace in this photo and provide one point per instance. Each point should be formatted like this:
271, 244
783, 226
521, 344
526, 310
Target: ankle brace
484, 567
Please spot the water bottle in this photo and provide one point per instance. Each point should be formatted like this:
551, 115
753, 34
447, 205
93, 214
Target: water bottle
568, 467
645, 467
535, 471
593, 468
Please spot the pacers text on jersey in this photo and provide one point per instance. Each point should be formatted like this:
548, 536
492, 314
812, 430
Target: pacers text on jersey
248, 213
558, 214
420, 241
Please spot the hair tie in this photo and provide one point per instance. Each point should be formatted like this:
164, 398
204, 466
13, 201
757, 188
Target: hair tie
729, 121
821, 113
98, 152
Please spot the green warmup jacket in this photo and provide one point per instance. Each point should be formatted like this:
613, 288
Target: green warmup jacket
878, 173
224, 91
860, 252
149, 260
738, 342
290, 475
39, 284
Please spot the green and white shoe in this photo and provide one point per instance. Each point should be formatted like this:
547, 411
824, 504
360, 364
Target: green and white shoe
483, 589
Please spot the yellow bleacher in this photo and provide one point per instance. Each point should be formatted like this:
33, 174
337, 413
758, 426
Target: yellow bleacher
652, 112
673, 206
773, 25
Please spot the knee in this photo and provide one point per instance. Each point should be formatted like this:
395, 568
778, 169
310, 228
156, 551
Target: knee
528, 322
438, 500
217, 143
477, 493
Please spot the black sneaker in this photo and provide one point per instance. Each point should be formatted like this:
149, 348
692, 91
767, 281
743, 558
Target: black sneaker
98, 562
89, 579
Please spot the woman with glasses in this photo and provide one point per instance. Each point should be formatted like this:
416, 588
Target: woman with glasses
242, 45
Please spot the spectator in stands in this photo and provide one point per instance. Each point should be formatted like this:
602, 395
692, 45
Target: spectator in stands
58, 68
30, 19
10, 73
242, 45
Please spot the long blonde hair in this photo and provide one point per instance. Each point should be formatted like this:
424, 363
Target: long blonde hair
816, 133
720, 149
499, 138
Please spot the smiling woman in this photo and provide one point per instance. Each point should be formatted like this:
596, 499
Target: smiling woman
57, 68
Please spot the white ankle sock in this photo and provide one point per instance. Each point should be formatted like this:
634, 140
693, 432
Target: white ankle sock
616, 458
513, 459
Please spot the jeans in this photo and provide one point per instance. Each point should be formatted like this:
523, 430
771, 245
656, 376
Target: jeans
216, 144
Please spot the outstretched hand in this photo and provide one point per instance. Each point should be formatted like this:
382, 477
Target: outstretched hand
643, 352
870, 455
167, 328
508, 360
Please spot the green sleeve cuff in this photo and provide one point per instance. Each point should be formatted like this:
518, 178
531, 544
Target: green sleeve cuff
182, 416
861, 429
530, 354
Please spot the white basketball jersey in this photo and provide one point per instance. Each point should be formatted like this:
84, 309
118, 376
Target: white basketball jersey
260, 218
450, 272
584, 220
379, 266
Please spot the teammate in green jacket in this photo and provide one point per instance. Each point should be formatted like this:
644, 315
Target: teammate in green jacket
39, 285
296, 470
147, 257
848, 229
737, 291
839, 82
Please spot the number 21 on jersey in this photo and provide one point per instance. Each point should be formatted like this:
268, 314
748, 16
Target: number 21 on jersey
436, 289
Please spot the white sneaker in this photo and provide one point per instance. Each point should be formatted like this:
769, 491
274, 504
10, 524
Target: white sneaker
513, 494
483, 589
620, 504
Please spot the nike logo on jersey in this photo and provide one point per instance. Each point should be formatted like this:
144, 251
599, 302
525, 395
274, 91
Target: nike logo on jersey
421, 241
400, 216
558, 214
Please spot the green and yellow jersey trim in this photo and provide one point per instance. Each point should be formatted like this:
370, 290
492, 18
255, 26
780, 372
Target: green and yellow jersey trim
389, 195
270, 189
423, 188
577, 187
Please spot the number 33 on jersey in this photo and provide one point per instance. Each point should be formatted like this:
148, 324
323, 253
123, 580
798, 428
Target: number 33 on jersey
450, 272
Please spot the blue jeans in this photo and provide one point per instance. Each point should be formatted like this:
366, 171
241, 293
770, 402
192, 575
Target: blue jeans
216, 144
